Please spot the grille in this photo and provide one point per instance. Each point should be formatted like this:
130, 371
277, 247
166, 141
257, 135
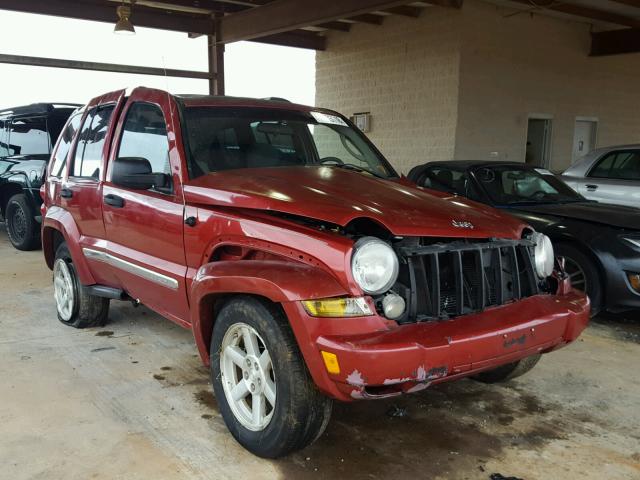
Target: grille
458, 278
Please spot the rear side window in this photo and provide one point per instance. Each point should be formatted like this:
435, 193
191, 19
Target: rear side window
28, 136
88, 157
145, 136
618, 165
66, 139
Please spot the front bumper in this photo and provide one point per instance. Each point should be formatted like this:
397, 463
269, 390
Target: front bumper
617, 258
620, 295
408, 358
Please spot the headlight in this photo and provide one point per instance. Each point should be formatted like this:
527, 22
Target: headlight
374, 265
543, 254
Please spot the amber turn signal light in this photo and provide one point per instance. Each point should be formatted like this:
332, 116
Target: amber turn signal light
331, 362
634, 280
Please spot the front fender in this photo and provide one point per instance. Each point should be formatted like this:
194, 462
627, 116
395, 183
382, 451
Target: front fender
278, 281
59, 219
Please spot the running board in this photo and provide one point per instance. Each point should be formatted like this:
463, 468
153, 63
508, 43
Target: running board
107, 292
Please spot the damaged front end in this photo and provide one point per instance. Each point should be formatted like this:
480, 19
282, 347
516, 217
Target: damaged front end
470, 306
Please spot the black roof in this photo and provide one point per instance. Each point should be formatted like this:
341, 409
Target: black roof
38, 108
469, 164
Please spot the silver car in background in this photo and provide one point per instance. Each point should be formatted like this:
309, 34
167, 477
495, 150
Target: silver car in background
608, 175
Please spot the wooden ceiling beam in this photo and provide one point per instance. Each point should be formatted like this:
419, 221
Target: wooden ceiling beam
369, 18
405, 11
615, 42
630, 3
285, 15
339, 26
582, 11
295, 38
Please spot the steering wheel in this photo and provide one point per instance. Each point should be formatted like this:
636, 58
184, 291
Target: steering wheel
335, 160
539, 195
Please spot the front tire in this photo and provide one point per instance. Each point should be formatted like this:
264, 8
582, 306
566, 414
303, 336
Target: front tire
508, 371
22, 228
583, 273
266, 396
76, 307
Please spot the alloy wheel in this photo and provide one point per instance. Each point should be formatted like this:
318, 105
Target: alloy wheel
248, 378
576, 274
63, 289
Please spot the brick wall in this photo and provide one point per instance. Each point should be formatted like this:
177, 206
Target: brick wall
406, 74
519, 65
462, 83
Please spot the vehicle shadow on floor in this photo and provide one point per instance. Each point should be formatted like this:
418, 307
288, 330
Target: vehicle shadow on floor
622, 326
455, 427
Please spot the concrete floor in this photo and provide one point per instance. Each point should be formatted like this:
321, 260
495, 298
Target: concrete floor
132, 401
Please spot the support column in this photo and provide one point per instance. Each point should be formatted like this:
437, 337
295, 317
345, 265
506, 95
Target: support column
216, 60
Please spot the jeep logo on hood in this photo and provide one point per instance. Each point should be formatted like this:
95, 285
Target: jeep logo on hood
462, 224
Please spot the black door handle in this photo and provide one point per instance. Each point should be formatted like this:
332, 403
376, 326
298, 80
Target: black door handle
114, 200
591, 187
66, 193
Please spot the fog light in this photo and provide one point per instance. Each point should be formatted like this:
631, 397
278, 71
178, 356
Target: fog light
331, 362
634, 280
393, 306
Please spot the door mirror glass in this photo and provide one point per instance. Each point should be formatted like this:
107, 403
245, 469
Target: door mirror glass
136, 173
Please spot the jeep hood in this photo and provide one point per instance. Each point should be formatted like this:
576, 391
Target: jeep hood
339, 196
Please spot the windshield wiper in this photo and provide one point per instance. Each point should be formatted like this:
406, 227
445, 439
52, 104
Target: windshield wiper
357, 168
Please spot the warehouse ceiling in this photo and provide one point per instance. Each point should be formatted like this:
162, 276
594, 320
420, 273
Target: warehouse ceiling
615, 23
297, 23
304, 23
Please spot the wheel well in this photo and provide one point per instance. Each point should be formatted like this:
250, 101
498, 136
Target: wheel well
51, 240
210, 306
6, 192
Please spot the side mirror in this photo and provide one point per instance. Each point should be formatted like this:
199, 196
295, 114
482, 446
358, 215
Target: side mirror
136, 173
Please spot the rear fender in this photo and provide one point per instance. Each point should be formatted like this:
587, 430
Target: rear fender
277, 281
61, 220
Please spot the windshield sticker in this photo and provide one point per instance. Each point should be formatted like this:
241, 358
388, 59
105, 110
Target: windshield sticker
543, 171
327, 118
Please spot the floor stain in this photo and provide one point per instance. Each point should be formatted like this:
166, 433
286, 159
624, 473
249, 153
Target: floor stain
622, 326
206, 399
158, 377
104, 333
102, 349
461, 425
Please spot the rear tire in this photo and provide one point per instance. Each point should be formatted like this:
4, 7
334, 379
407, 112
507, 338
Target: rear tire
76, 307
22, 228
584, 273
509, 371
253, 354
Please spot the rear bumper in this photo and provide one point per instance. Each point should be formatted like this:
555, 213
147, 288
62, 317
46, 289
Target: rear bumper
408, 358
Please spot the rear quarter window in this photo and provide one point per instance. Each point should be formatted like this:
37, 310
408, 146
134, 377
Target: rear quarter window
88, 157
59, 160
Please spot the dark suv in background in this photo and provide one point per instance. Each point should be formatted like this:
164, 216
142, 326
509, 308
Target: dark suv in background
27, 135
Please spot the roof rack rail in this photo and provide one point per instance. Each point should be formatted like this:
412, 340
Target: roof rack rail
37, 108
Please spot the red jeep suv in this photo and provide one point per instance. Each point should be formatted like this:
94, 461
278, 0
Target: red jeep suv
307, 269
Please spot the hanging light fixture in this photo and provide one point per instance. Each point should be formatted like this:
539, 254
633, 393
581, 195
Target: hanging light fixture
124, 25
